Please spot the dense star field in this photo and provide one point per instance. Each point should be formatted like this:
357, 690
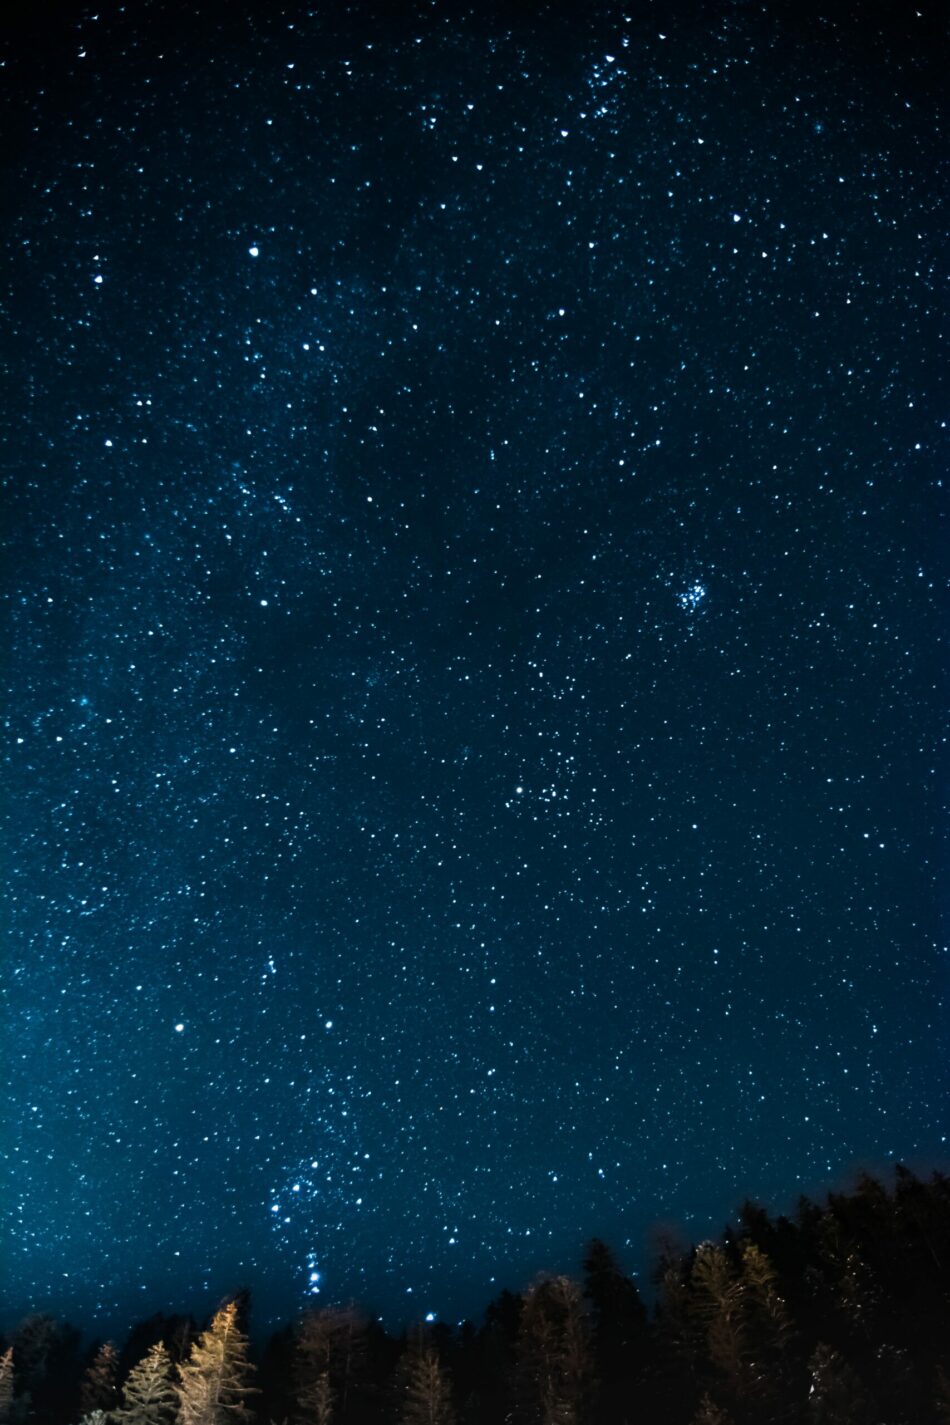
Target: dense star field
473, 595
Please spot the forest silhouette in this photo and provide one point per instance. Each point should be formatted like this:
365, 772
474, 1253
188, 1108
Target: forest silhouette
837, 1314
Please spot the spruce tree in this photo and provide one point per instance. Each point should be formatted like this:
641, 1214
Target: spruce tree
320, 1400
942, 1396
149, 1396
99, 1389
709, 1413
770, 1334
555, 1358
95, 1417
329, 1362
424, 1391
6, 1385
619, 1327
836, 1395
214, 1383
719, 1303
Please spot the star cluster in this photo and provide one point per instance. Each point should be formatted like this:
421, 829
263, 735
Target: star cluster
472, 587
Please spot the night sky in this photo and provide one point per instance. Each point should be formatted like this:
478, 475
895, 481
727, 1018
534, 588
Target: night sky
473, 599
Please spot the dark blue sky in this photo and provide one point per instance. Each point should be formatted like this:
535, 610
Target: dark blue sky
474, 590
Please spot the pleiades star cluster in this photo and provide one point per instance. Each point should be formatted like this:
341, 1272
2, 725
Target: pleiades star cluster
473, 594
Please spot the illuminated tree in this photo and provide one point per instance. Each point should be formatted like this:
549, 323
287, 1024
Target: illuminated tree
95, 1417
6, 1385
424, 1391
149, 1396
718, 1302
214, 1383
321, 1400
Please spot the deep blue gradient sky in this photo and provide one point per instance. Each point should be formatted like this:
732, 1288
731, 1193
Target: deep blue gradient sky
475, 596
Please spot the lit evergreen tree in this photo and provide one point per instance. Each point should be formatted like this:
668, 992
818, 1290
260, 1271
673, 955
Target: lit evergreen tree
6, 1385
424, 1391
215, 1382
769, 1333
149, 1396
320, 1400
99, 1389
719, 1303
95, 1417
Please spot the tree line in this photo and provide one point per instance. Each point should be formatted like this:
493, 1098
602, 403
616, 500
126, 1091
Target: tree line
838, 1314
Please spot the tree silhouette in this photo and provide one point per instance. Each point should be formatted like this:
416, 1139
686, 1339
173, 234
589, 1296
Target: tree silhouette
329, 1362
555, 1365
100, 1384
619, 1322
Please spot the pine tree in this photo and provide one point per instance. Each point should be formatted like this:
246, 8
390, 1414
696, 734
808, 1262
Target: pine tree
709, 1413
555, 1366
215, 1381
321, 1400
45, 1361
33, 1343
770, 1334
95, 1417
99, 1389
149, 1396
619, 1325
767, 1307
858, 1297
942, 1396
424, 1390
329, 1362
719, 1302
836, 1395
6, 1385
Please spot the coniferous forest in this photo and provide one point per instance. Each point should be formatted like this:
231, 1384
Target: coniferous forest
838, 1314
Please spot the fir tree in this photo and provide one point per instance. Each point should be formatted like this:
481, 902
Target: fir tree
149, 1396
709, 1413
719, 1302
95, 1417
100, 1384
320, 1400
555, 1367
836, 1395
619, 1325
215, 1382
329, 1361
770, 1334
6, 1385
424, 1391
942, 1396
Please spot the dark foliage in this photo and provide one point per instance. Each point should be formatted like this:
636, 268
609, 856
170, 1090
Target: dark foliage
839, 1315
